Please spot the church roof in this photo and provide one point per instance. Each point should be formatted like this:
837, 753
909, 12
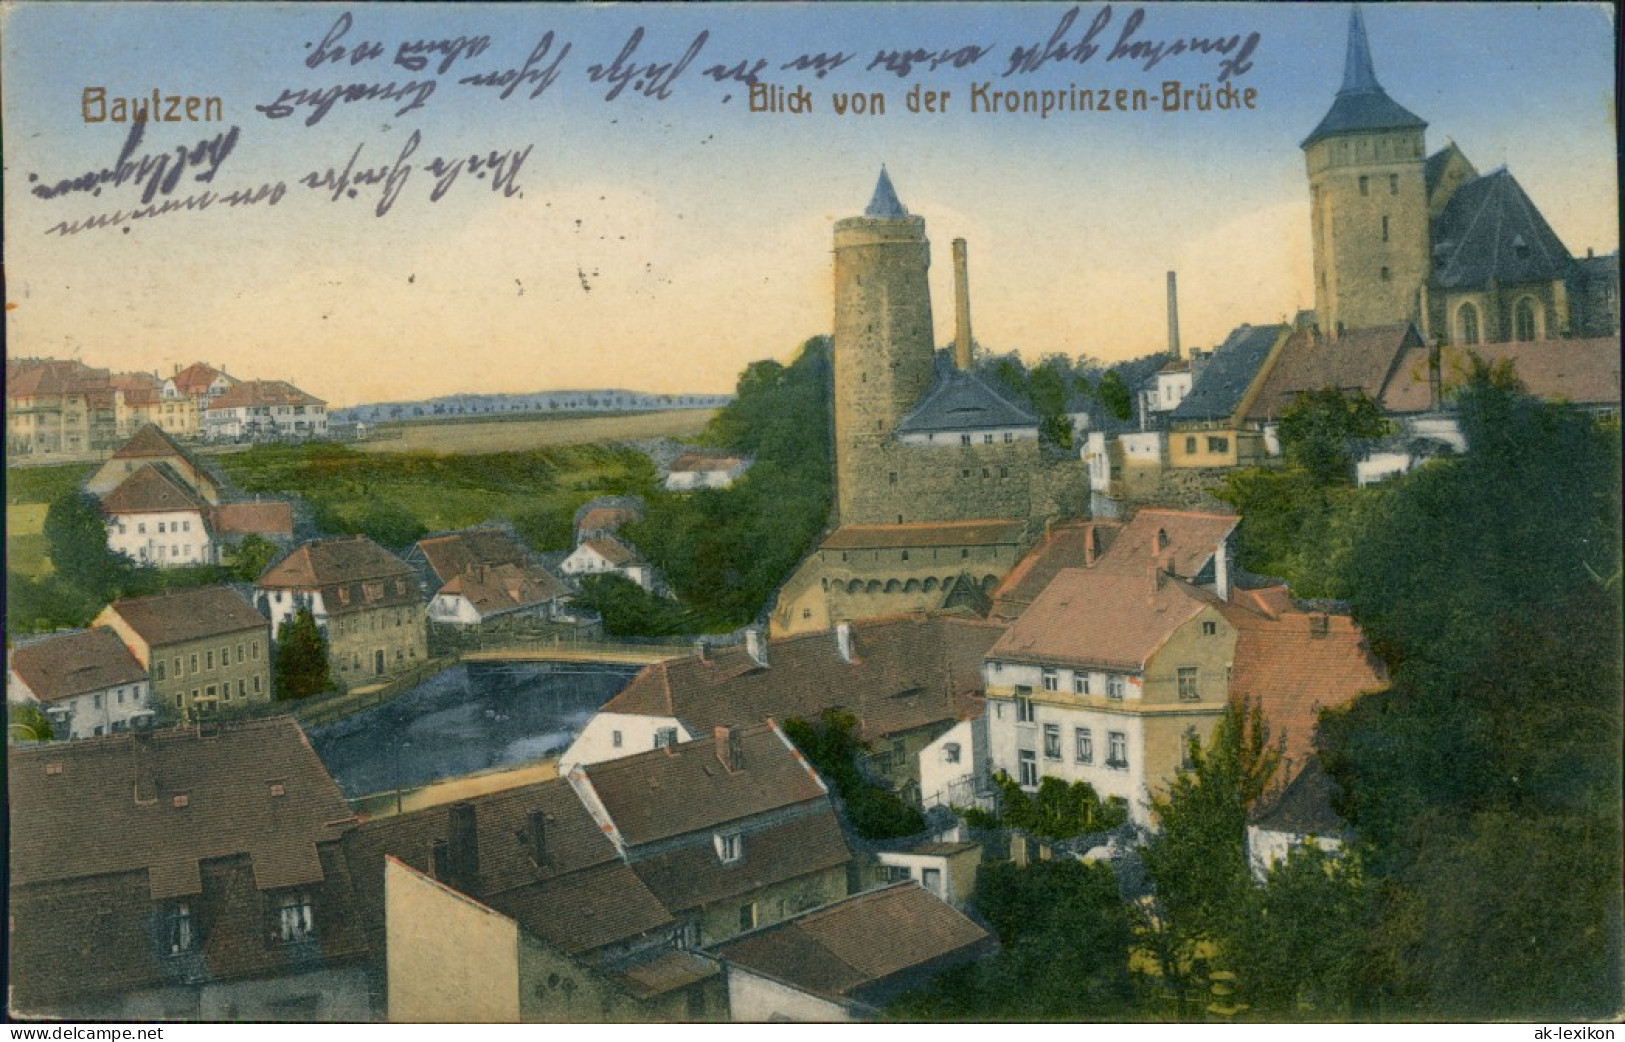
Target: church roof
1491, 230
964, 400
1219, 388
884, 203
1361, 103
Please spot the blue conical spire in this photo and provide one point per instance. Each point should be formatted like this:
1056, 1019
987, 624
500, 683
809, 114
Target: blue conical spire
1358, 75
884, 203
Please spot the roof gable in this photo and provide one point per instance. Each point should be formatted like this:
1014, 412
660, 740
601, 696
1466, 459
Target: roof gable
1490, 230
1360, 361
152, 489
186, 615
906, 672
1219, 389
76, 664
1104, 618
961, 399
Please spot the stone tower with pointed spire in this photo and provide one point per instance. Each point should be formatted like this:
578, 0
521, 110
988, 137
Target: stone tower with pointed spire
1368, 202
884, 348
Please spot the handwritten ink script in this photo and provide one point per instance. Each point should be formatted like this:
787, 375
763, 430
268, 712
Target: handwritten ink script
348, 65
159, 175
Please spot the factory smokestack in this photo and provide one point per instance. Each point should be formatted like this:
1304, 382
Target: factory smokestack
1173, 316
961, 306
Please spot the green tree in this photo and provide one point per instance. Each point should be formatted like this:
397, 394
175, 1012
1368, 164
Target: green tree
1300, 951
629, 610
1485, 780
1115, 395
832, 744
1056, 811
252, 556
1064, 936
28, 723
1321, 431
1197, 861
76, 535
301, 658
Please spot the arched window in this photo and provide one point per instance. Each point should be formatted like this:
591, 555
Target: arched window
1523, 319
1467, 324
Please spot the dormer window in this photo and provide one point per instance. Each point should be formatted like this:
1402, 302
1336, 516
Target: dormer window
296, 918
180, 931
730, 847
950, 753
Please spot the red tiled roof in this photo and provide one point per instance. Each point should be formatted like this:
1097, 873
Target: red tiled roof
1113, 619
196, 378
39, 377
945, 533
617, 553
1064, 546
1362, 360
1272, 601
605, 519
76, 664
1189, 542
84, 819
457, 552
700, 462
1585, 372
337, 560
146, 442
252, 393
906, 672
493, 589
682, 788
272, 517
1293, 674
186, 615
691, 877
842, 949
153, 489
580, 897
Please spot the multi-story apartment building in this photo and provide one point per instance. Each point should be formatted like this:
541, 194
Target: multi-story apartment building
203, 649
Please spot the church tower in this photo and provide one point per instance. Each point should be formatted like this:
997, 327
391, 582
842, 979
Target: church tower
1368, 202
885, 357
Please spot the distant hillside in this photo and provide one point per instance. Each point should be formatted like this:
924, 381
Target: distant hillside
465, 405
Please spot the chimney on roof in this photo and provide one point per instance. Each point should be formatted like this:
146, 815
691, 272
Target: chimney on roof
1173, 315
1435, 376
961, 305
462, 848
1319, 625
843, 641
146, 783
730, 748
756, 646
538, 837
1158, 578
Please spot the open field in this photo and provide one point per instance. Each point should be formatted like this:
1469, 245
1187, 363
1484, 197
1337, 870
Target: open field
25, 540
479, 436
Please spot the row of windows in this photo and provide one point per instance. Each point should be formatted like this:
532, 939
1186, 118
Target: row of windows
246, 652
987, 439
1214, 444
135, 693
1525, 324
1083, 751
1083, 746
212, 691
293, 919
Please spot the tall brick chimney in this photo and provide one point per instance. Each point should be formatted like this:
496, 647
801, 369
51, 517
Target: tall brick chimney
730, 748
462, 849
961, 306
1173, 315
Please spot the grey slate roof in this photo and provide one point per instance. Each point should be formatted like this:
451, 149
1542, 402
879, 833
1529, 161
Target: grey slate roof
884, 203
1361, 103
1304, 807
1223, 381
1491, 230
964, 400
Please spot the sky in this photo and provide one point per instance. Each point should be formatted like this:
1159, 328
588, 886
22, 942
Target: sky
651, 232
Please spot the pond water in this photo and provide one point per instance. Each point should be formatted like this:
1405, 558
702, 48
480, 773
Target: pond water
472, 717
